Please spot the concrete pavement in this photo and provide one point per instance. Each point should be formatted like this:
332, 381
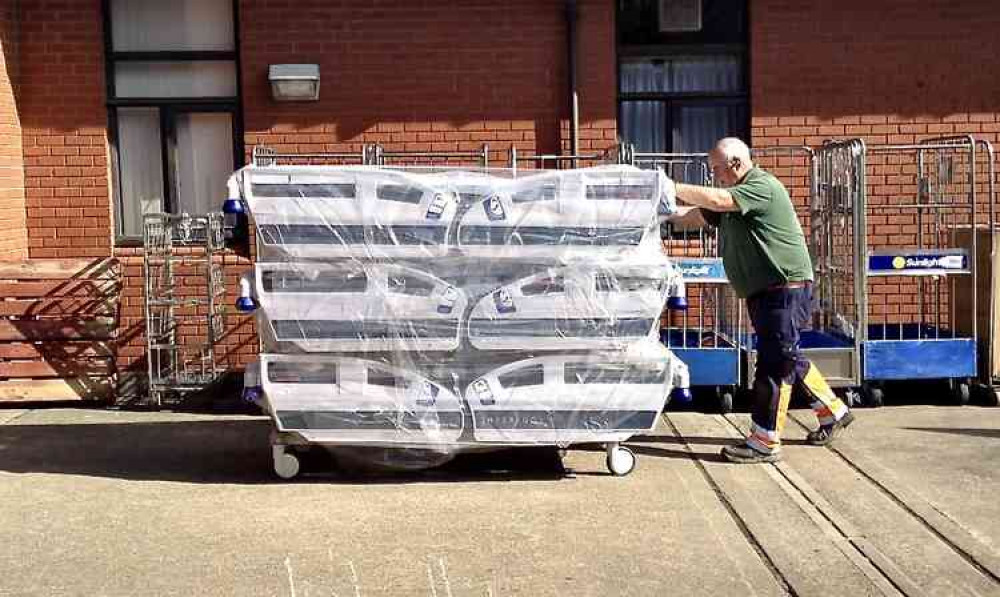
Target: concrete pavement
121, 503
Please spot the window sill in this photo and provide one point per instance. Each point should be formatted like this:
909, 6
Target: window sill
127, 242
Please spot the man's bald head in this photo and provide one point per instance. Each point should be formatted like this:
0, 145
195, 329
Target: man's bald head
730, 160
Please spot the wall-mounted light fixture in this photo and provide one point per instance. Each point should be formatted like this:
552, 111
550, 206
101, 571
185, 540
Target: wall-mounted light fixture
294, 82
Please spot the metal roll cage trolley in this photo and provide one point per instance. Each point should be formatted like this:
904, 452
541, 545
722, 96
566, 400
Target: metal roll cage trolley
894, 236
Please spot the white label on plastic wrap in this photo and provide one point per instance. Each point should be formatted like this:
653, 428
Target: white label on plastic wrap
482, 389
448, 299
494, 209
437, 207
504, 301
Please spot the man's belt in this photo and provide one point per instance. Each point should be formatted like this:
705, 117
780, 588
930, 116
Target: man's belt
789, 285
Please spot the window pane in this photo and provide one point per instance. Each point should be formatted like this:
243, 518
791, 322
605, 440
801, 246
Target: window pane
204, 160
175, 79
644, 124
643, 76
679, 74
705, 73
177, 25
697, 128
140, 167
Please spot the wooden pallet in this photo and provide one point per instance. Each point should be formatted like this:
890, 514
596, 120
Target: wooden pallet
58, 320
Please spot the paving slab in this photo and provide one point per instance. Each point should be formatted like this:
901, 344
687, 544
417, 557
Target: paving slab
119, 503
801, 547
910, 553
947, 455
103, 502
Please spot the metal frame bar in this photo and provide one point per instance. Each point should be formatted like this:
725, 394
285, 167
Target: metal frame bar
987, 370
378, 156
262, 156
552, 161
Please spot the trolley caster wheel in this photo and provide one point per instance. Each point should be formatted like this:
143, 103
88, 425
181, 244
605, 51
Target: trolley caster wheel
286, 464
852, 398
984, 394
960, 392
620, 461
874, 396
992, 396
726, 402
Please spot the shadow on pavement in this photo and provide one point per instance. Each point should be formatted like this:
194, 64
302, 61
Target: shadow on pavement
234, 452
682, 454
640, 445
697, 440
991, 433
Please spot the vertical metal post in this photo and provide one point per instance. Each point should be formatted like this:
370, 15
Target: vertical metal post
572, 15
974, 257
860, 206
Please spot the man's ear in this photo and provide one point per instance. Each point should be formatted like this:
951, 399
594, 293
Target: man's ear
735, 163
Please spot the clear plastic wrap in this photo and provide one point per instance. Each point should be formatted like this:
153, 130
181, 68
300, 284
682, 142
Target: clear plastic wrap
458, 310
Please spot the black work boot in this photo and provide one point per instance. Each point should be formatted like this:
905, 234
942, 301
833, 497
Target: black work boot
744, 453
827, 433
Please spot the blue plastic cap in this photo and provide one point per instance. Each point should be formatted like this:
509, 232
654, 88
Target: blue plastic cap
246, 304
677, 303
233, 206
252, 394
682, 395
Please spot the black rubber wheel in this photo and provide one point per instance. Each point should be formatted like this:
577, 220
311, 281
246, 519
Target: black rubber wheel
726, 402
960, 392
993, 397
851, 398
874, 396
981, 393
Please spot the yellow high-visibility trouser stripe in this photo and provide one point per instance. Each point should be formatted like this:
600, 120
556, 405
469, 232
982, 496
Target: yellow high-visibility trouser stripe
827, 406
784, 397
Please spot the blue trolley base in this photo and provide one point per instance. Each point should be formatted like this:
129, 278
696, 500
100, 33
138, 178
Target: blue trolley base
913, 351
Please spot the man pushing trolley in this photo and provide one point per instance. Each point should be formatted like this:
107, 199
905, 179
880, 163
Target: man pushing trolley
766, 260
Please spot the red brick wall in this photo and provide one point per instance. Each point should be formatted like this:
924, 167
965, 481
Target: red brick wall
64, 123
896, 71
14, 243
891, 72
596, 78
437, 76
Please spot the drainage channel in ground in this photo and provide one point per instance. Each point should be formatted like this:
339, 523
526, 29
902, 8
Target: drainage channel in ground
799, 516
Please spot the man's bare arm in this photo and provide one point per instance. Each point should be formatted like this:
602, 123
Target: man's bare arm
709, 198
687, 218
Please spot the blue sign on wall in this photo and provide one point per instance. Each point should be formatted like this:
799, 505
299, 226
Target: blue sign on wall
919, 263
701, 270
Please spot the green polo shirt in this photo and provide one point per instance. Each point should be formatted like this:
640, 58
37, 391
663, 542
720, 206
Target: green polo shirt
762, 244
